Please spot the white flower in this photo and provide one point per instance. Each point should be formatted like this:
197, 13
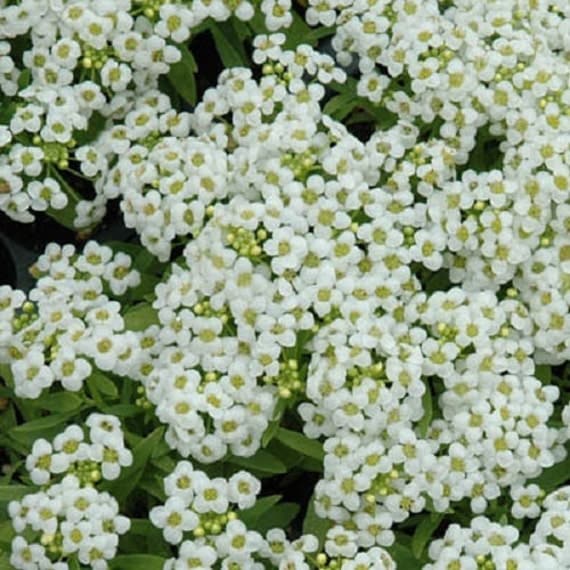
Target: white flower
174, 518
340, 542
211, 496
243, 489
31, 375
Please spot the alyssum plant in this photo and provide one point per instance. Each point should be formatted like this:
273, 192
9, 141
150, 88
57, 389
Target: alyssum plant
354, 271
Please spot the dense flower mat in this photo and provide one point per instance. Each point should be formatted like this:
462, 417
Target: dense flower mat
338, 338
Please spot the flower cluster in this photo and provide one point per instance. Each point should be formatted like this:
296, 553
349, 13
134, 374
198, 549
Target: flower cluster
85, 62
71, 518
67, 322
488, 545
371, 247
483, 86
210, 510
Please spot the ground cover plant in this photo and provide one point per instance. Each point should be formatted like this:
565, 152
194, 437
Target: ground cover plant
300, 285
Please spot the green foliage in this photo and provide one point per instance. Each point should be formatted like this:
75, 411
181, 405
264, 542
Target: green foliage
301, 443
229, 45
251, 516
427, 403
140, 317
130, 476
313, 524
137, 562
262, 463
182, 76
14, 492
424, 532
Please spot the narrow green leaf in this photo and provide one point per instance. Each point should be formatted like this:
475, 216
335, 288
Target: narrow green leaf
424, 532
270, 433
341, 105
130, 476
301, 443
298, 33
5, 561
182, 76
101, 383
95, 127
6, 372
427, 403
14, 492
7, 533
38, 428
554, 477
137, 562
544, 373
143, 527
65, 216
313, 524
59, 402
24, 79
262, 461
279, 516
250, 516
123, 410
140, 317
229, 45
403, 556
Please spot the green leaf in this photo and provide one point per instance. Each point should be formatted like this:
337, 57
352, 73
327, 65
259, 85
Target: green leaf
7, 533
298, 33
6, 374
402, 555
301, 443
279, 516
100, 383
7, 110
137, 562
270, 433
130, 476
250, 516
427, 403
341, 105
313, 524
24, 79
143, 527
544, 373
59, 402
182, 76
5, 561
123, 410
14, 492
95, 127
65, 216
554, 476
424, 532
42, 427
229, 45
262, 461
140, 317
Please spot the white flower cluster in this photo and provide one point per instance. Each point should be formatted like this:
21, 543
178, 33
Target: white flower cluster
167, 175
464, 74
367, 386
67, 322
488, 545
210, 510
85, 57
69, 453
83, 61
71, 518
